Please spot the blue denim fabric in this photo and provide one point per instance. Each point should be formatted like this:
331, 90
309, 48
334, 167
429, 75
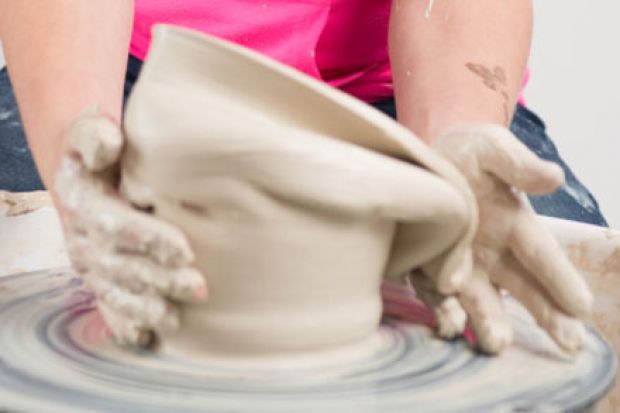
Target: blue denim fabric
573, 201
17, 169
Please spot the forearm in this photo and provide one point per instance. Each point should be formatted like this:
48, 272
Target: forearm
461, 61
63, 56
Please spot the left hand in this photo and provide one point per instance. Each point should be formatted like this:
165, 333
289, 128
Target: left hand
138, 266
512, 250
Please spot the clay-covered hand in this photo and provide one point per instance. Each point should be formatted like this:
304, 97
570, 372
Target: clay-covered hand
137, 265
512, 250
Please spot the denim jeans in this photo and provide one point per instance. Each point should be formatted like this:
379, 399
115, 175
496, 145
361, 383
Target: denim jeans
572, 201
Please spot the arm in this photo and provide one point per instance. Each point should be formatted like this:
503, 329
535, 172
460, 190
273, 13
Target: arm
65, 56
458, 62
62, 57
456, 77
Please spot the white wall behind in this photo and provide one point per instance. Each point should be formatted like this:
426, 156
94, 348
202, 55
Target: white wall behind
575, 87
1, 57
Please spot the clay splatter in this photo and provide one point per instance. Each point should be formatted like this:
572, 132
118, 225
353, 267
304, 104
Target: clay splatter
582, 198
4, 115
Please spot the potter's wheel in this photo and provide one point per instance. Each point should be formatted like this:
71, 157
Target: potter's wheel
55, 355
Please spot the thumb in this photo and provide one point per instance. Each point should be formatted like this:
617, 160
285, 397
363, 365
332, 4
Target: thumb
96, 139
504, 156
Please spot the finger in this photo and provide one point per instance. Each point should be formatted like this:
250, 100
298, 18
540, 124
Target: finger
187, 285
73, 184
503, 155
140, 275
145, 311
97, 211
457, 269
568, 332
124, 330
449, 315
451, 318
449, 273
118, 226
97, 139
540, 253
486, 313
79, 250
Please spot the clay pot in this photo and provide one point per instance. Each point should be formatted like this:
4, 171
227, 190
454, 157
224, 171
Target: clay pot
297, 199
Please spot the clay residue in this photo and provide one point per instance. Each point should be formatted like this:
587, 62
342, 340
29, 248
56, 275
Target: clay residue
19, 203
602, 271
610, 234
4, 115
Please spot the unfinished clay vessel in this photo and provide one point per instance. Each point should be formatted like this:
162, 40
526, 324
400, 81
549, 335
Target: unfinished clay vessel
297, 199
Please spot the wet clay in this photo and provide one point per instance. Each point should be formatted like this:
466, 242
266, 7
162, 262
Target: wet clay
297, 199
19, 203
595, 251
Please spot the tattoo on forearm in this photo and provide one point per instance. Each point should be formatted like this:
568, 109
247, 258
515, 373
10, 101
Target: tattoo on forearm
495, 80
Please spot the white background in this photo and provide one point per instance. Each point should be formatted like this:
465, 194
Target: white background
575, 88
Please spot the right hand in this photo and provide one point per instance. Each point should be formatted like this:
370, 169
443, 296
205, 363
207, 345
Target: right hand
138, 266
512, 250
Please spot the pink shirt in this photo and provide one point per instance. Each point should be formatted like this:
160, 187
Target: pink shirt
314, 36
342, 42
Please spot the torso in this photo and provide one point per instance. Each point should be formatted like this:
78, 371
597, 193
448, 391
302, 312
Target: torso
342, 42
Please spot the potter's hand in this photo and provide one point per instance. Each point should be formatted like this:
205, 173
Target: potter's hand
136, 264
512, 250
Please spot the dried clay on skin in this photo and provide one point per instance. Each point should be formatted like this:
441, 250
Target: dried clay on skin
19, 203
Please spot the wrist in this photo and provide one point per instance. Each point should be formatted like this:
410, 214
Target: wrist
48, 157
430, 124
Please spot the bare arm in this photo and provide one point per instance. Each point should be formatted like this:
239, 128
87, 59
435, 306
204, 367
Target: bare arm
62, 56
464, 65
458, 61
